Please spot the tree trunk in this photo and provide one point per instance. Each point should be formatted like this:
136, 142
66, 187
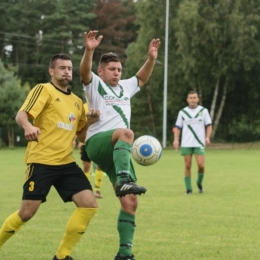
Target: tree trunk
220, 110
214, 100
151, 110
10, 131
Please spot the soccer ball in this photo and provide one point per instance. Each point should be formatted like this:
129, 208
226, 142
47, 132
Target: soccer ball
146, 150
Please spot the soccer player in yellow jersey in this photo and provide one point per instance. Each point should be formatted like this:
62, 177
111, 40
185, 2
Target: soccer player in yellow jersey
58, 115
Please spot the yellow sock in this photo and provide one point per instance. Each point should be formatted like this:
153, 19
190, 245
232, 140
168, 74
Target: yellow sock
76, 227
98, 179
11, 226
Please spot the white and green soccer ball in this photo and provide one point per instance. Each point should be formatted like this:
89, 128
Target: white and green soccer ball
146, 150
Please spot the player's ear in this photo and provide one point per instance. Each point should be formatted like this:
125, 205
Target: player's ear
51, 71
99, 71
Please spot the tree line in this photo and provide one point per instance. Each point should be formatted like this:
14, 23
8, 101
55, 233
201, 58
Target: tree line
213, 48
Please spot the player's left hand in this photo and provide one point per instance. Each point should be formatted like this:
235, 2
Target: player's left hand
153, 48
207, 141
91, 39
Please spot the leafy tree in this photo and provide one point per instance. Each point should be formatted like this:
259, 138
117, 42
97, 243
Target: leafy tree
11, 98
115, 21
147, 106
216, 40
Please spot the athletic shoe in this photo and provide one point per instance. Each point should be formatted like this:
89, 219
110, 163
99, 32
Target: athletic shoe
188, 192
200, 188
66, 258
129, 187
98, 195
118, 257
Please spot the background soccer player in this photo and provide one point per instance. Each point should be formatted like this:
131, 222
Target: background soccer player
112, 137
195, 123
58, 115
99, 175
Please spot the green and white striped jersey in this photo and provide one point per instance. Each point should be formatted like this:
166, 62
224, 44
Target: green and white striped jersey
113, 103
193, 123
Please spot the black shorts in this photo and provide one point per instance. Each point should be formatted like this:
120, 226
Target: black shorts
84, 156
67, 179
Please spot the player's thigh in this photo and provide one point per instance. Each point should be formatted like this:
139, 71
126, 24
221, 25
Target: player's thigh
38, 181
200, 159
187, 151
85, 199
100, 149
71, 181
86, 166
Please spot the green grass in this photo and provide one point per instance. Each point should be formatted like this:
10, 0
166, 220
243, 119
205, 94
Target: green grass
222, 223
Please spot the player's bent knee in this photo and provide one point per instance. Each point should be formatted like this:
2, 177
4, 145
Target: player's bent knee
129, 203
124, 134
26, 215
85, 199
129, 134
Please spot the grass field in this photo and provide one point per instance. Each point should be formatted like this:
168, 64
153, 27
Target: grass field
222, 223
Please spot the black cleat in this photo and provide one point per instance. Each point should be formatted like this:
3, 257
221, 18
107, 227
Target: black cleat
188, 192
200, 188
118, 257
66, 258
129, 187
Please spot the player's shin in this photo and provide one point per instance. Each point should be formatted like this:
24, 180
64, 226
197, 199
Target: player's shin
76, 227
11, 226
126, 229
121, 157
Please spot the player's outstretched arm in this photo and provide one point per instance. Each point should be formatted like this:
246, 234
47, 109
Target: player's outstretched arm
146, 70
91, 42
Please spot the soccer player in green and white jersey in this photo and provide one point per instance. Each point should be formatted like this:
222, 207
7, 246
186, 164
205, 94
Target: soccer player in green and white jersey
109, 140
194, 124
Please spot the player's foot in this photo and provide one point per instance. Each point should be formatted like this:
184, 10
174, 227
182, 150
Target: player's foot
188, 192
98, 195
118, 257
129, 187
200, 187
66, 258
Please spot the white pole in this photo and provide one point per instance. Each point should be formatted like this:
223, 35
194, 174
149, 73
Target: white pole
165, 75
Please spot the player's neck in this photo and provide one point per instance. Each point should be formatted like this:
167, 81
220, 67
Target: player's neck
193, 106
62, 88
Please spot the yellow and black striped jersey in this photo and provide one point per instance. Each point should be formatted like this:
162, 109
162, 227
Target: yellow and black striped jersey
59, 115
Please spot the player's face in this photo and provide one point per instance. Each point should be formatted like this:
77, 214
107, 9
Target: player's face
193, 100
61, 74
111, 73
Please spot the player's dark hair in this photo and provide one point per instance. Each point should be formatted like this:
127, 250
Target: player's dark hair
108, 57
60, 56
193, 92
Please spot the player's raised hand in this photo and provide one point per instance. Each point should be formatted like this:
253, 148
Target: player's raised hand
153, 48
91, 42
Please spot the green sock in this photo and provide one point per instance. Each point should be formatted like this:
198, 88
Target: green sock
126, 229
187, 180
200, 178
121, 158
